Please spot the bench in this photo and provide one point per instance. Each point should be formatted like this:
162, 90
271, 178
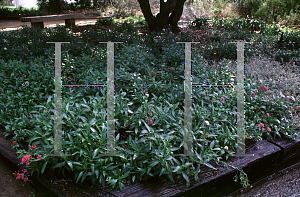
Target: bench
38, 21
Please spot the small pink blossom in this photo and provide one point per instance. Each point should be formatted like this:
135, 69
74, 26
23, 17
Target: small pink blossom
20, 176
14, 142
39, 157
28, 163
207, 135
171, 68
150, 114
214, 99
33, 147
269, 129
117, 99
26, 158
268, 114
144, 91
150, 122
253, 94
261, 125
62, 44
222, 99
264, 88
26, 179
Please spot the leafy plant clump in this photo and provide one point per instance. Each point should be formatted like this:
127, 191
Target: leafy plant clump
149, 106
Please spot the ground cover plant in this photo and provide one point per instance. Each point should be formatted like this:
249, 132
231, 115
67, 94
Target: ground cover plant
149, 100
19, 12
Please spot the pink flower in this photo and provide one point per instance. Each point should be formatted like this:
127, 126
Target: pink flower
26, 179
293, 108
150, 114
281, 74
171, 68
14, 142
24, 170
20, 176
33, 147
144, 91
28, 163
269, 129
264, 88
39, 157
150, 122
214, 99
253, 94
154, 73
62, 44
268, 114
261, 125
78, 47
222, 99
207, 135
26, 158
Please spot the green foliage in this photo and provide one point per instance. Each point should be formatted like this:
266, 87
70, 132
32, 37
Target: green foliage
20, 12
149, 79
248, 24
293, 18
199, 23
102, 21
248, 7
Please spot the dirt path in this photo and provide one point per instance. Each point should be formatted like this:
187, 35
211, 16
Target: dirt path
7, 25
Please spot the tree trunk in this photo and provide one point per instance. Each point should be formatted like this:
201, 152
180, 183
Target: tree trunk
163, 19
55, 6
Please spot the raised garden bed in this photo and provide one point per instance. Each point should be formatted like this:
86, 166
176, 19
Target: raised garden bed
268, 158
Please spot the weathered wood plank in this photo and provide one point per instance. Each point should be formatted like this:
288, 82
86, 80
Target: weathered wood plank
211, 182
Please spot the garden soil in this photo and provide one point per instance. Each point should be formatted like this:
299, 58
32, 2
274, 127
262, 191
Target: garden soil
9, 186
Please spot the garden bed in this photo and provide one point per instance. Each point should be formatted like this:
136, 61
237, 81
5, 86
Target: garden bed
152, 73
268, 158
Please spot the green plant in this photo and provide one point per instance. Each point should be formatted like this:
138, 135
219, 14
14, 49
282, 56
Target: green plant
102, 21
149, 100
199, 23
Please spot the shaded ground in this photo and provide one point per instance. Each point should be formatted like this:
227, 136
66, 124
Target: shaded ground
9, 186
283, 183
